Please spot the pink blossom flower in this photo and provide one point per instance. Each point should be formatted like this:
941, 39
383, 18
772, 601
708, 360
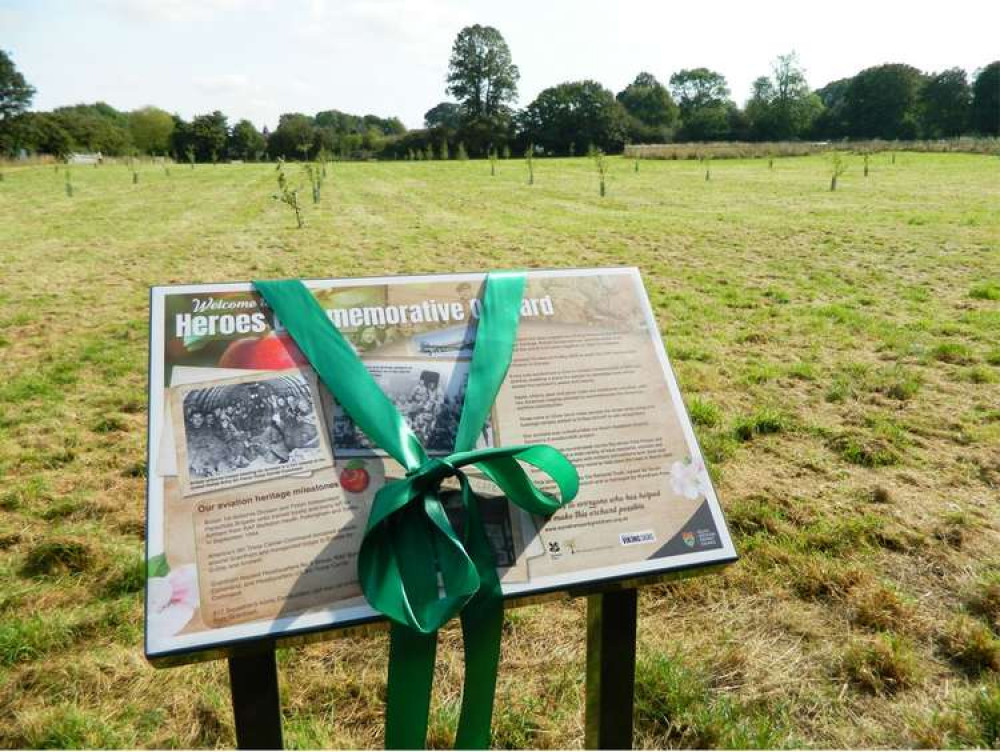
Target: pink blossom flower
689, 479
172, 601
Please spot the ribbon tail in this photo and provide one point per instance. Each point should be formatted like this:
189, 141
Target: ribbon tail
482, 623
408, 696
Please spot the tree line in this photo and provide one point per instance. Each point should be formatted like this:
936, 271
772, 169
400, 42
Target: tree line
893, 102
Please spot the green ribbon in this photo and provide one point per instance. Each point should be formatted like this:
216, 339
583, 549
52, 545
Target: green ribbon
413, 567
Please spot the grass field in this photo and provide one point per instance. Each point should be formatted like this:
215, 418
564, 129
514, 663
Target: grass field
839, 354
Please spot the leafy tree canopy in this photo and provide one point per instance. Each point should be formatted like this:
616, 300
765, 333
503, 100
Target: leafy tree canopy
151, 129
944, 103
647, 100
445, 115
246, 142
782, 107
573, 116
881, 102
15, 93
697, 88
481, 74
986, 100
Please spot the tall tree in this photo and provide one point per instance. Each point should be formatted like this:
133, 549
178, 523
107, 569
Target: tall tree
986, 100
15, 93
151, 128
944, 104
881, 102
294, 132
782, 107
652, 111
481, 74
209, 134
703, 98
572, 116
246, 142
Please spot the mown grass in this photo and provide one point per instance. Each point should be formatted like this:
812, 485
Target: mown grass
838, 353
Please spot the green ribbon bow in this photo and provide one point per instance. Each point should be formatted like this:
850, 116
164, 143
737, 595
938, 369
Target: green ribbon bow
413, 566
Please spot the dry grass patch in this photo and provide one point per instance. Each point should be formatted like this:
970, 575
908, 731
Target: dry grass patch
882, 665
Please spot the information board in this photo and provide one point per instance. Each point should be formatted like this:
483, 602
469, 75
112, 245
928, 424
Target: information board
259, 484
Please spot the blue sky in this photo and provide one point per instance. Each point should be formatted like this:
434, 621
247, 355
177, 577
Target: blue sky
259, 58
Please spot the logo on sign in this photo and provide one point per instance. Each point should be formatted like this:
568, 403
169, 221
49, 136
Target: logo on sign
688, 539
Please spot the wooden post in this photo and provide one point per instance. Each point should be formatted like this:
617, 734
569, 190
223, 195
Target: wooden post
253, 680
611, 624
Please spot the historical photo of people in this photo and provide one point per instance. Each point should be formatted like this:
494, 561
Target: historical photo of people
429, 394
247, 429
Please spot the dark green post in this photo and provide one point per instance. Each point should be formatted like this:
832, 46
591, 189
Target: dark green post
611, 628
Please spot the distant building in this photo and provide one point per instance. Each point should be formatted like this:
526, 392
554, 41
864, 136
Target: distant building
95, 158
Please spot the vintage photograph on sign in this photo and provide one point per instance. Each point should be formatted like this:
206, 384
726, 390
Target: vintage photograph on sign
260, 484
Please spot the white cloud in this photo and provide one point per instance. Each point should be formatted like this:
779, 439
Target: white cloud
179, 11
228, 83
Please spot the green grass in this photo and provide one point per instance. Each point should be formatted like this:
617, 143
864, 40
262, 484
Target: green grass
837, 351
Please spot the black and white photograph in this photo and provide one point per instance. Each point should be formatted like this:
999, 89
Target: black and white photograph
495, 511
234, 432
428, 394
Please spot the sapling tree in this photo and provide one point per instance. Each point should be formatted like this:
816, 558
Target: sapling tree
315, 180
706, 161
838, 166
529, 158
636, 160
288, 196
190, 155
866, 164
69, 184
770, 163
493, 162
601, 163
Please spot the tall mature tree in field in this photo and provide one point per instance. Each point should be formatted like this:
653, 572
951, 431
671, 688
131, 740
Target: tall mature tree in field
15, 97
578, 114
151, 129
481, 74
944, 103
986, 100
652, 111
782, 107
15, 93
246, 142
881, 102
483, 78
703, 98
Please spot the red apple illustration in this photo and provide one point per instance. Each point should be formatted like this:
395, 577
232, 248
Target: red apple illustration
271, 353
354, 478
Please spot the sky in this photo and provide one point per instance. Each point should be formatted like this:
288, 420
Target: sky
256, 59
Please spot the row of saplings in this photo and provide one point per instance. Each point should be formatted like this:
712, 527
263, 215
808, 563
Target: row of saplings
316, 173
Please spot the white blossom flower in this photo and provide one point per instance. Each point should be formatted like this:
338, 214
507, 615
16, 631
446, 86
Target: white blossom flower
172, 601
689, 479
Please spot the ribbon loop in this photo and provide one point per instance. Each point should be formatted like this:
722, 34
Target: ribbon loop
412, 565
